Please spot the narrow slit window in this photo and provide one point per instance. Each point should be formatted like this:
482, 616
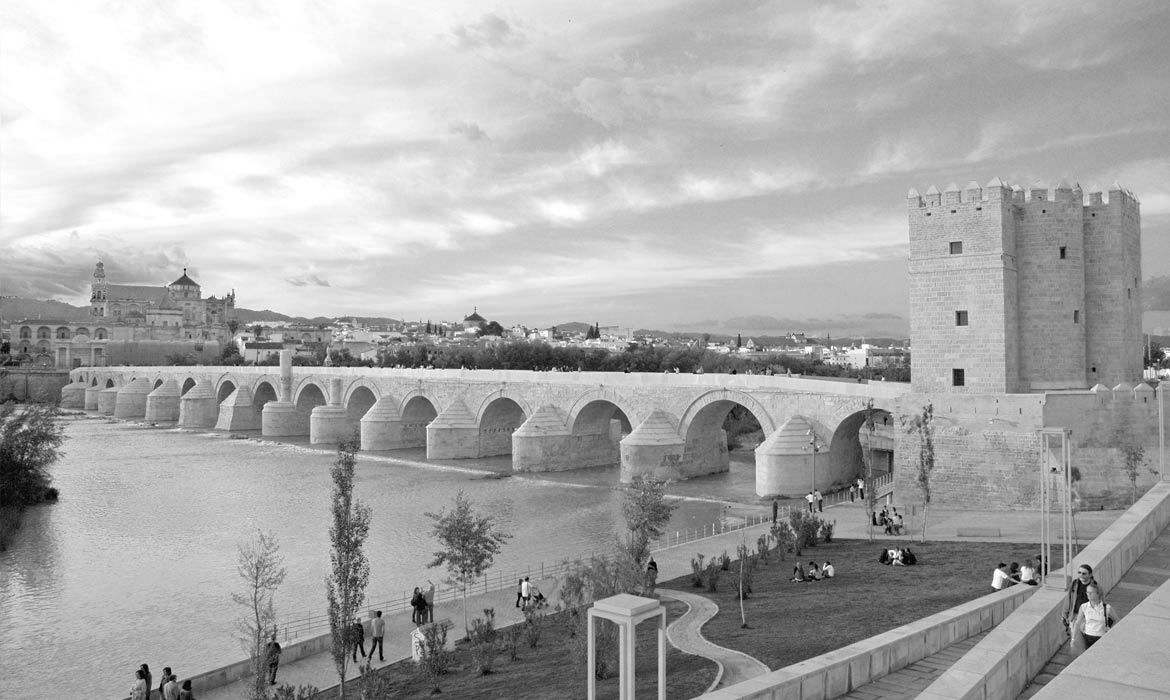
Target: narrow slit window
958, 377
1076, 315
956, 247
960, 318
1063, 252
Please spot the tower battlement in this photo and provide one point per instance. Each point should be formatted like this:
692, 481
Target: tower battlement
996, 191
1020, 289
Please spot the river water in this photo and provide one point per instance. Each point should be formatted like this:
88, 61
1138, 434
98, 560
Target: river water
137, 562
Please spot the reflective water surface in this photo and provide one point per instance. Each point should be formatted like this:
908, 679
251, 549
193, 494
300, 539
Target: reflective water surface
137, 562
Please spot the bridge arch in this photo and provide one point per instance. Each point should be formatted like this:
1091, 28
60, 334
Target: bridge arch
590, 407
188, 385
359, 399
701, 428
499, 415
699, 410
224, 390
263, 391
850, 439
418, 409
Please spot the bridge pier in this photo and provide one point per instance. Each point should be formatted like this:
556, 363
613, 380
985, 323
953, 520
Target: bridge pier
73, 395
330, 424
107, 401
654, 449
162, 404
453, 434
91, 397
131, 401
237, 412
543, 443
198, 408
382, 426
784, 465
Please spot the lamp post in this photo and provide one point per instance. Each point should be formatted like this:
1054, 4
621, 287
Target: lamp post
815, 447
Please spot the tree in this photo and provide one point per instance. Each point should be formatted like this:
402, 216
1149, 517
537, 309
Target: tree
30, 442
258, 331
738, 340
233, 325
923, 426
261, 567
1134, 456
870, 496
490, 328
646, 513
349, 568
469, 544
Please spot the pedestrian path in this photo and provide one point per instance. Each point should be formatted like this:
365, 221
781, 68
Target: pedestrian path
685, 634
1151, 570
908, 682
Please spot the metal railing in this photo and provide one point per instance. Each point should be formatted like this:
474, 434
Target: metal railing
310, 624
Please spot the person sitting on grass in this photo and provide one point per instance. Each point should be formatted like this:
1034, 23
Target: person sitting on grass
885, 557
828, 570
898, 558
908, 557
798, 573
814, 572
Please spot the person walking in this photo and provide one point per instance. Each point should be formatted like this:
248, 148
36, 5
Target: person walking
853, 493
146, 674
820, 501
1077, 594
185, 693
170, 690
519, 591
525, 594
162, 682
775, 509
1093, 620
272, 653
358, 637
809, 498
377, 630
416, 606
861, 487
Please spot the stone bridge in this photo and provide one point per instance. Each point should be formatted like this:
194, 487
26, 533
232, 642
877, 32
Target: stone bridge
669, 426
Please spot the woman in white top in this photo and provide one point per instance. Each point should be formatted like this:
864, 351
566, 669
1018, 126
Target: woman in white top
1028, 573
1093, 619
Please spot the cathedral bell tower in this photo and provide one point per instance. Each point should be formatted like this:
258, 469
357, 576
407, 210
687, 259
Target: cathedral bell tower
97, 300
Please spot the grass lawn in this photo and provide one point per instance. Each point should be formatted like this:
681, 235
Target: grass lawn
791, 622
551, 670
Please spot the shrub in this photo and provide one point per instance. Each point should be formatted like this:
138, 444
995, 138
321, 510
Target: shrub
724, 561
434, 658
533, 626
307, 692
512, 637
785, 538
762, 547
748, 561
712, 574
826, 530
697, 569
806, 526
483, 641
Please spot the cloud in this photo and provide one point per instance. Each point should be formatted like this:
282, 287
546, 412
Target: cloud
491, 31
469, 130
309, 281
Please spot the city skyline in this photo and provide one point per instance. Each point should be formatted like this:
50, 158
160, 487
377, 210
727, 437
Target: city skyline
659, 165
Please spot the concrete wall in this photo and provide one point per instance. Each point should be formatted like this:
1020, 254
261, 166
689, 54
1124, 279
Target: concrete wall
838, 672
1003, 662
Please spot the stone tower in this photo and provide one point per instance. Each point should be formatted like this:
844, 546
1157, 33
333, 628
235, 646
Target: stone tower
97, 298
1017, 292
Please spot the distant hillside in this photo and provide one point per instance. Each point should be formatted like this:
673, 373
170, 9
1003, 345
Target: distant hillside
17, 309
573, 327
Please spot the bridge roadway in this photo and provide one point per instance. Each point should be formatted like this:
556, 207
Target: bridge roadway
666, 425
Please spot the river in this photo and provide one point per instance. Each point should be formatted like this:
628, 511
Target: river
137, 561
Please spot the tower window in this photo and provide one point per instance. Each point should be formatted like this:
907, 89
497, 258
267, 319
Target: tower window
1076, 315
956, 247
1063, 252
1128, 293
958, 377
960, 318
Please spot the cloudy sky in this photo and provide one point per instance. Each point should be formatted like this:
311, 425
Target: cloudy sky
638, 163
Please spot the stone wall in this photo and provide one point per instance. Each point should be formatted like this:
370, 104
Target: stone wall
35, 385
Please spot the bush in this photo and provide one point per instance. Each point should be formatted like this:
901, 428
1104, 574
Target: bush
724, 561
806, 527
826, 530
748, 563
697, 569
483, 641
712, 574
762, 547
434, 658
533, 626
308, 692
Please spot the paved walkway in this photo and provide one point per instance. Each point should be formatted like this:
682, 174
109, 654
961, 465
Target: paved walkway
1151, 570
908, 682
686, 634
944, 524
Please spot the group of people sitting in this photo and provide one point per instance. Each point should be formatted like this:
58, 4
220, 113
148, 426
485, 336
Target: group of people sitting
814, 572
890, 521
1005, 575
898, 557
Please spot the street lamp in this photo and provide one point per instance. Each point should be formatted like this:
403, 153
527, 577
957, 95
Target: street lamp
815, 447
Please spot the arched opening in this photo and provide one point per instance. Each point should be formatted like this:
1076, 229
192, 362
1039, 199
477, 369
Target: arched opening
109, 383
360, 401
187, 386
417, 414
597, 434
262, 394
310, 397
157, 383
854, 443
225, 390
500, 419
709, 438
